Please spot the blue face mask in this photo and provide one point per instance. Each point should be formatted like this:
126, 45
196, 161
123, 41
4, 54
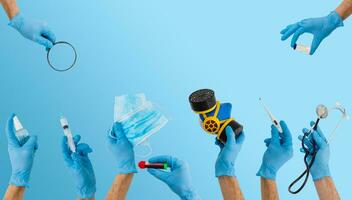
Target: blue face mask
140, 118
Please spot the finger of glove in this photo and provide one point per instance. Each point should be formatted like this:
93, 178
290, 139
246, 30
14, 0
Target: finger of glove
286, 33
48, 34
315, 44
240, 138
31, 143
110, 137
218, 143
231, 140
286, 135
267, 141
159, 174
275, 136
174, 163
118, 131
10, 132
66, 151
76, 139
296, 35
83, 149
307, 142
43, 41
321, 142
302, 150
312, 123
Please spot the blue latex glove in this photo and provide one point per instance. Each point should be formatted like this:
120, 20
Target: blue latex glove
122, 150
21, 156
319, 27
225, 163
80, 167
279, 151
36, 31
178, 179
320, 167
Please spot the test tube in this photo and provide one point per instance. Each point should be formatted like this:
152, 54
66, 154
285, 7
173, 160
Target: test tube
68, 134
302, 48
21, 133
144, 165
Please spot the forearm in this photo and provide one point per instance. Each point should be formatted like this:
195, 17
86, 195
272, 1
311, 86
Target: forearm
120, 187
326, 189
269, 189
14, 193
345, 9
10, 7
230, 188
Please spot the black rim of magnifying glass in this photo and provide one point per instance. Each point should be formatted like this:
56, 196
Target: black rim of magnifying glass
66, 69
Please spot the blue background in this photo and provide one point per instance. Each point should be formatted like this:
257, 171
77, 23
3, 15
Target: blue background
168, 49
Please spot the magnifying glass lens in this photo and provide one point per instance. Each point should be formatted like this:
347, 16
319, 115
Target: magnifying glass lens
62, 56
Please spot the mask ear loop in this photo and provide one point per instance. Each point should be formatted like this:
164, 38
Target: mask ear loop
149, 147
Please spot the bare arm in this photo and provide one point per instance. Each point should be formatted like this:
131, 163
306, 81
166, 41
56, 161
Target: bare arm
10, 7
14, 193
269, 189
345, 9
120, 187
326, 189
230, 188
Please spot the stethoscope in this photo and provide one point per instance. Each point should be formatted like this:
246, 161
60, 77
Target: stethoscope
322, 112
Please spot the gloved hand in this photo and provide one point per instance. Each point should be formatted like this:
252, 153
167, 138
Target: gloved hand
178, 179
319, 27
80, 167
279, 151
122, 150
320, 167
225, 163
36, 31
21, 157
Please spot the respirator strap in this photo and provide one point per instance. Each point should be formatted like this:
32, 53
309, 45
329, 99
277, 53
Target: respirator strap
223, 126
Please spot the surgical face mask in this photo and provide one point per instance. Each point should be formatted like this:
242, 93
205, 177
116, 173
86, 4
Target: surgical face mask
127, 105
139, 118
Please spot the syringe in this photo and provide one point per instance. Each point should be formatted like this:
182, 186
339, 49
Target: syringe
21, 133
144, 165
68, 134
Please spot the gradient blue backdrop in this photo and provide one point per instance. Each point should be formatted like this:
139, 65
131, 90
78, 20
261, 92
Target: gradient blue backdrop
168, 49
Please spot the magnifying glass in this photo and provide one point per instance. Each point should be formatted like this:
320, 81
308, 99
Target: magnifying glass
62, 56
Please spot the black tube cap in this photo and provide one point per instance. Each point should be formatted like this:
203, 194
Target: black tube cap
202, 100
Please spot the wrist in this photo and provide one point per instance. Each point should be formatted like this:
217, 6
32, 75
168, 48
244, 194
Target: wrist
190, 195
224, 169
267, 172
16, 21
86, 191
322, 172
20, 179
130, 169
86, 194
336, 18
